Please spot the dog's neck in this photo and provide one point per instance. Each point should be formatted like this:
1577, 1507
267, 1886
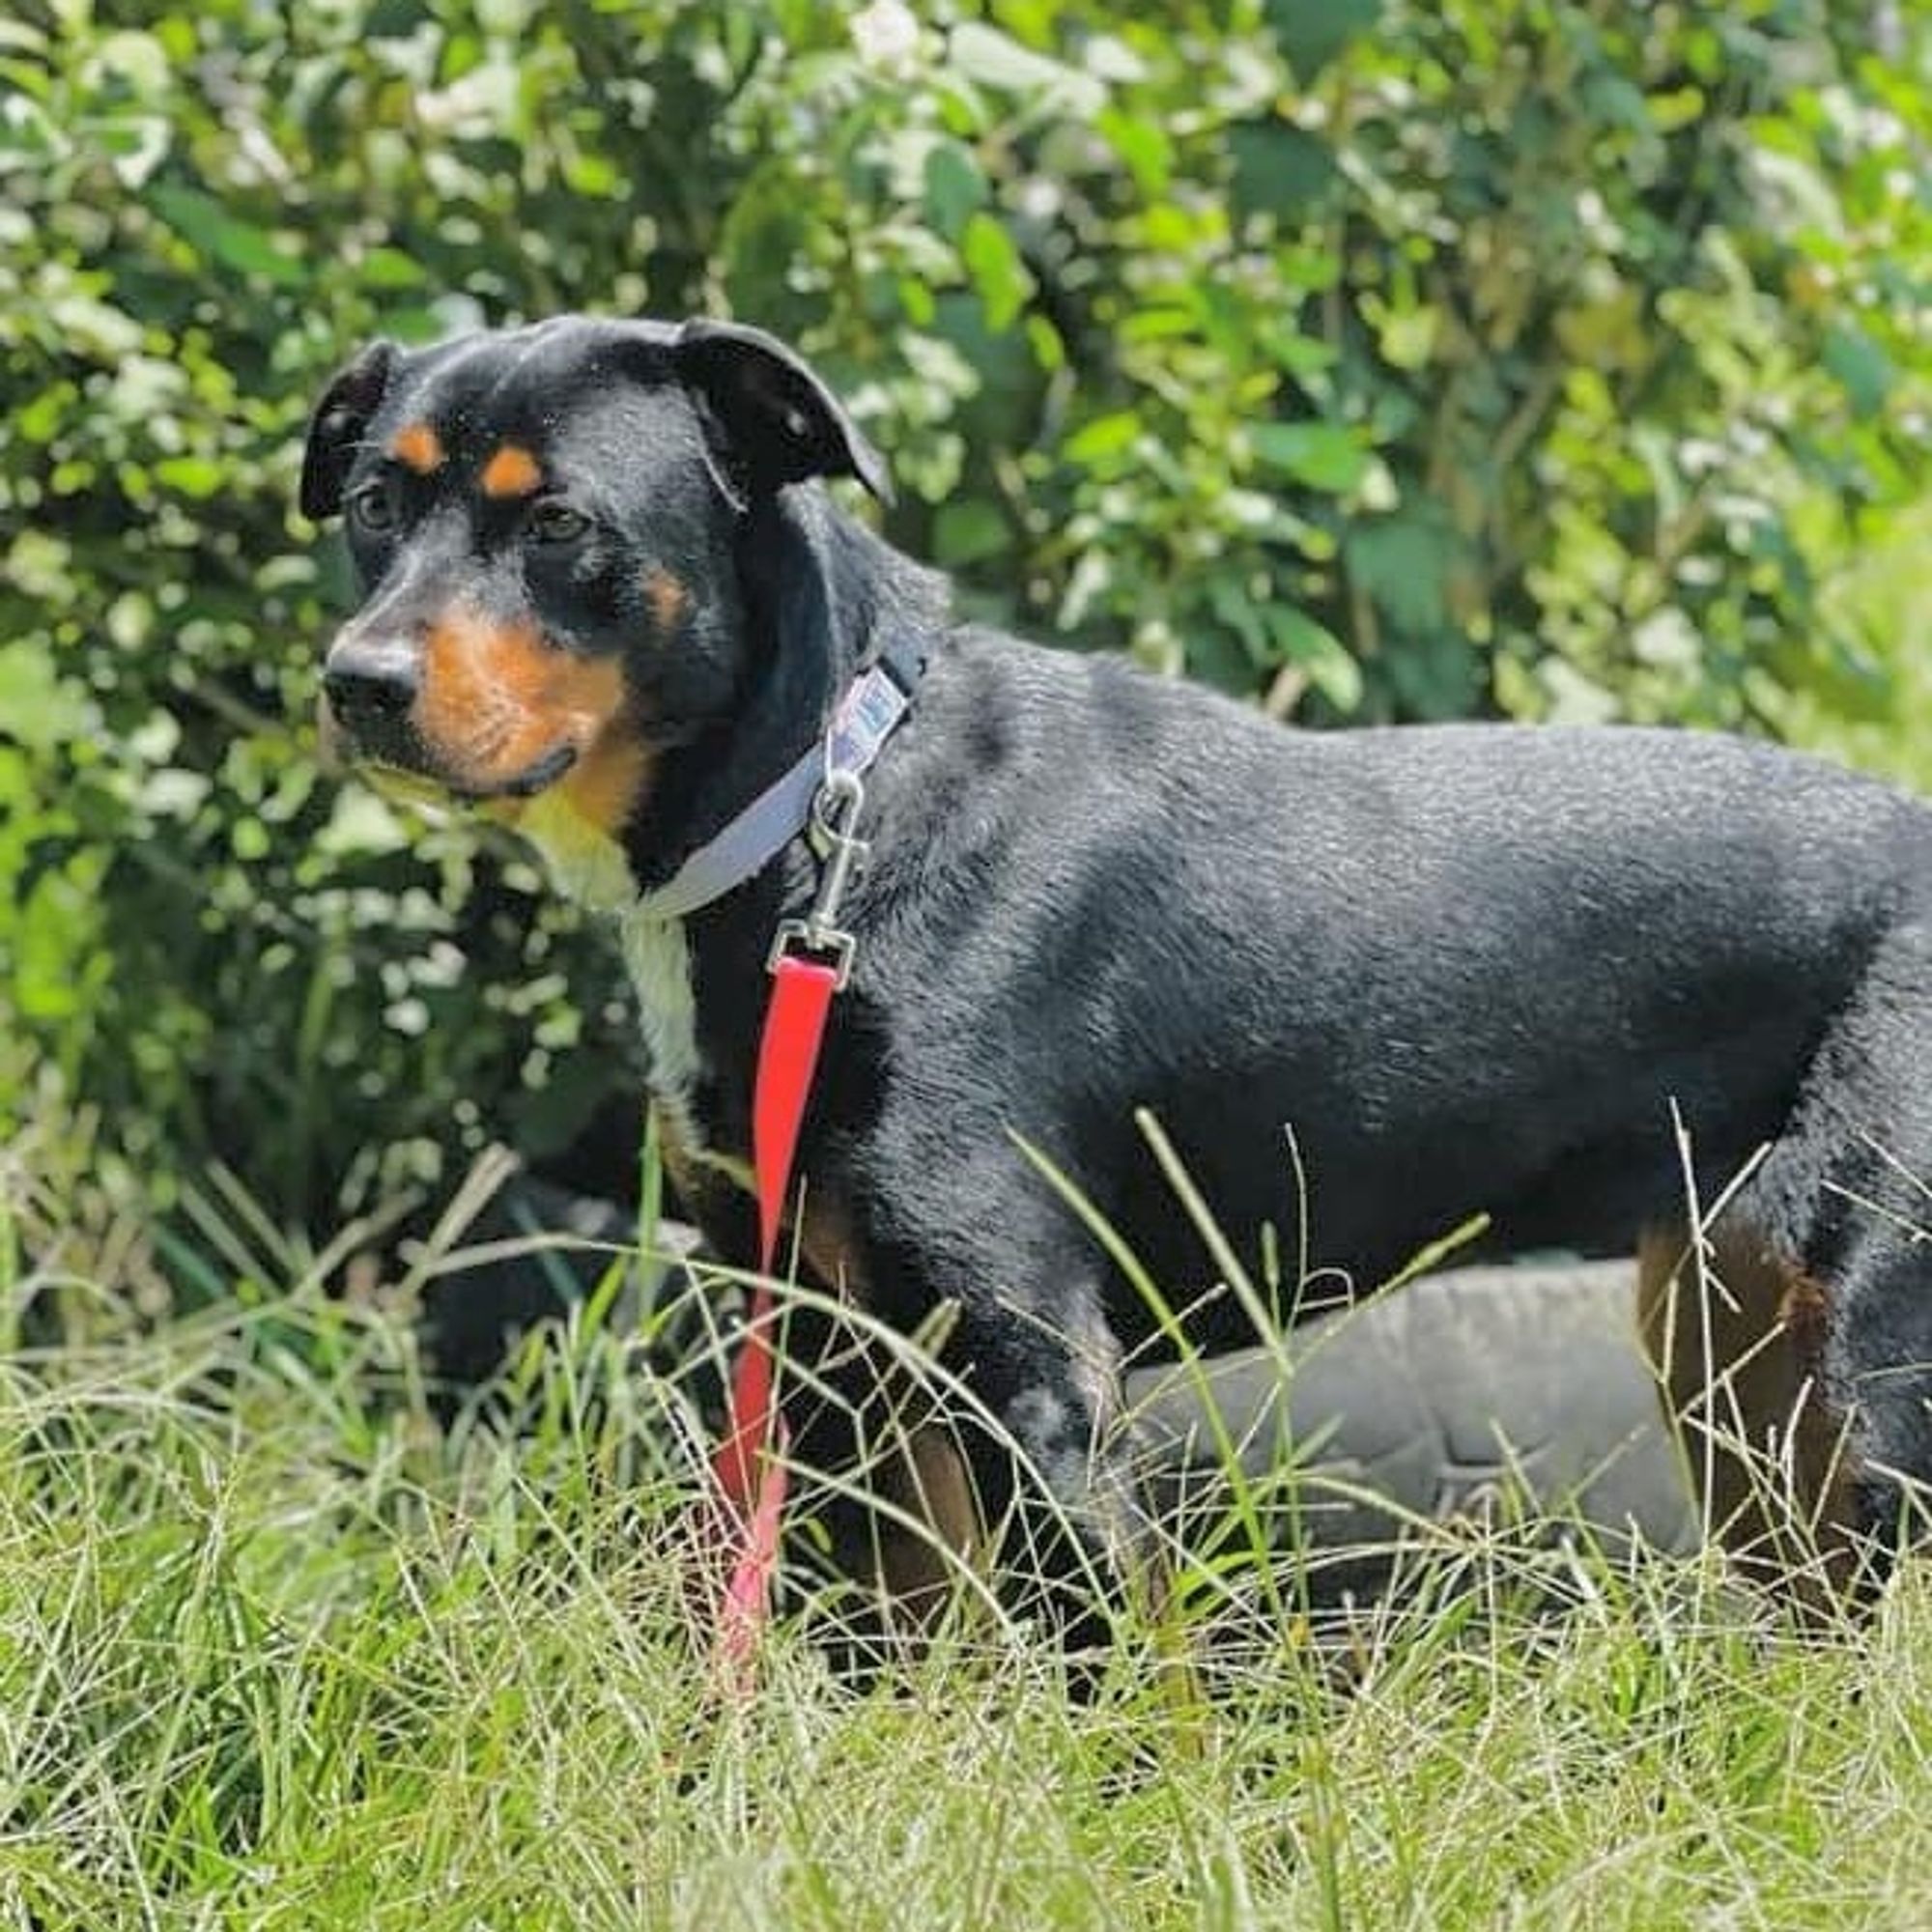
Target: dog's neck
807, 591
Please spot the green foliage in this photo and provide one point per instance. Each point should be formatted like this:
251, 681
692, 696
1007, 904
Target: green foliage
1403, 361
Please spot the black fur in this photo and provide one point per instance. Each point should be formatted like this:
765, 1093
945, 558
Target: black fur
1471, 968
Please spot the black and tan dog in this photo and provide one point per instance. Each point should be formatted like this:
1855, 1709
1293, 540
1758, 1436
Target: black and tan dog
1472, 969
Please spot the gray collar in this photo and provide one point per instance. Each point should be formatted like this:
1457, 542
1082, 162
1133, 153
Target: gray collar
873, 704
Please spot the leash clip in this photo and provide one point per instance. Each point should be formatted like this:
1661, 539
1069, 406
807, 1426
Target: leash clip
835, 813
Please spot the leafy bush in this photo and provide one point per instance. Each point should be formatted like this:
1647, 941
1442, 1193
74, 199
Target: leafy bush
1410, 360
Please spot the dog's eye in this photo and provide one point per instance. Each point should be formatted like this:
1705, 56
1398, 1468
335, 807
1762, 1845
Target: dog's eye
377, 506
552, 521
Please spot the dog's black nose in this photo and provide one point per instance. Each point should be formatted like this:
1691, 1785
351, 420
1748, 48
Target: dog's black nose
371, 684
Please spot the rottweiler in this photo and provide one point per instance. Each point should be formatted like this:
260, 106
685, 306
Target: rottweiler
1619, 990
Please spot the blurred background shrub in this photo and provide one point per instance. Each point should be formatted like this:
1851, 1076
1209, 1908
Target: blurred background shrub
1375, 360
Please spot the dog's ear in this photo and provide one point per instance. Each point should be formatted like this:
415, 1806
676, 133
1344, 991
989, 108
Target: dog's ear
335, 429
769, 419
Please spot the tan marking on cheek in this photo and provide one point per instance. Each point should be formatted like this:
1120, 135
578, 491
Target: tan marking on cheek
497, 699
512, 471
610, 779
668, 597
416, 447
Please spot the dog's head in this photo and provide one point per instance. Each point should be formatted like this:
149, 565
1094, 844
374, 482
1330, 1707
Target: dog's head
544, 524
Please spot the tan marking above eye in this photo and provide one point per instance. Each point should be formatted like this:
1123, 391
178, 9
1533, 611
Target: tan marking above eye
512, 471
668, 597
416, 447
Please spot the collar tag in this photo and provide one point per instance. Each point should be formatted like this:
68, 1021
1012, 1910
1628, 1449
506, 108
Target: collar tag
867, 715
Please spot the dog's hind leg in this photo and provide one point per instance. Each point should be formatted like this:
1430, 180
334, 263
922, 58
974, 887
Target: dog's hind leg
1866, 1123
1797, 1349
1879, 1361
1735, 1332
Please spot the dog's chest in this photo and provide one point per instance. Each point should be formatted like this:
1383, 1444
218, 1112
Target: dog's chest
588, 867
657, 956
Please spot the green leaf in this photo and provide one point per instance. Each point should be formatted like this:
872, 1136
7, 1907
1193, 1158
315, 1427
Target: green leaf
1861, 365
57, 952
999, 276
41, 565
1104, 436
969, 530
39, 708
362, 822
1322, 455
985, 55
955, 186
1404, 562
199, 477
1313, 31
1299, 639
213, 231
135, 144
137, 58
1279, 169
1144, 144
391, 268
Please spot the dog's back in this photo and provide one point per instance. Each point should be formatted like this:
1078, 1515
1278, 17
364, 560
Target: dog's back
1471, 968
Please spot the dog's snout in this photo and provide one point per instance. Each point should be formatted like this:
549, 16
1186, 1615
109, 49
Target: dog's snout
372, 683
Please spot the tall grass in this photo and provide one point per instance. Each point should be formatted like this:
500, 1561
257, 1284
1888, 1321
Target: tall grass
278, 1650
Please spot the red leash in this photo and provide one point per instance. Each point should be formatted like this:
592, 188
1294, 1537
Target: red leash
748, 1465
749, 1461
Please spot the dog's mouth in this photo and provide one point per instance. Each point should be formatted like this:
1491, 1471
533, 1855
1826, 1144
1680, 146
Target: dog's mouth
539, 776
424, 783
402, 767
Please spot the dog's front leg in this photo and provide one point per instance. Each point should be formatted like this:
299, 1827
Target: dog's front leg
989, 1437
1054, 1484
1011, 1381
